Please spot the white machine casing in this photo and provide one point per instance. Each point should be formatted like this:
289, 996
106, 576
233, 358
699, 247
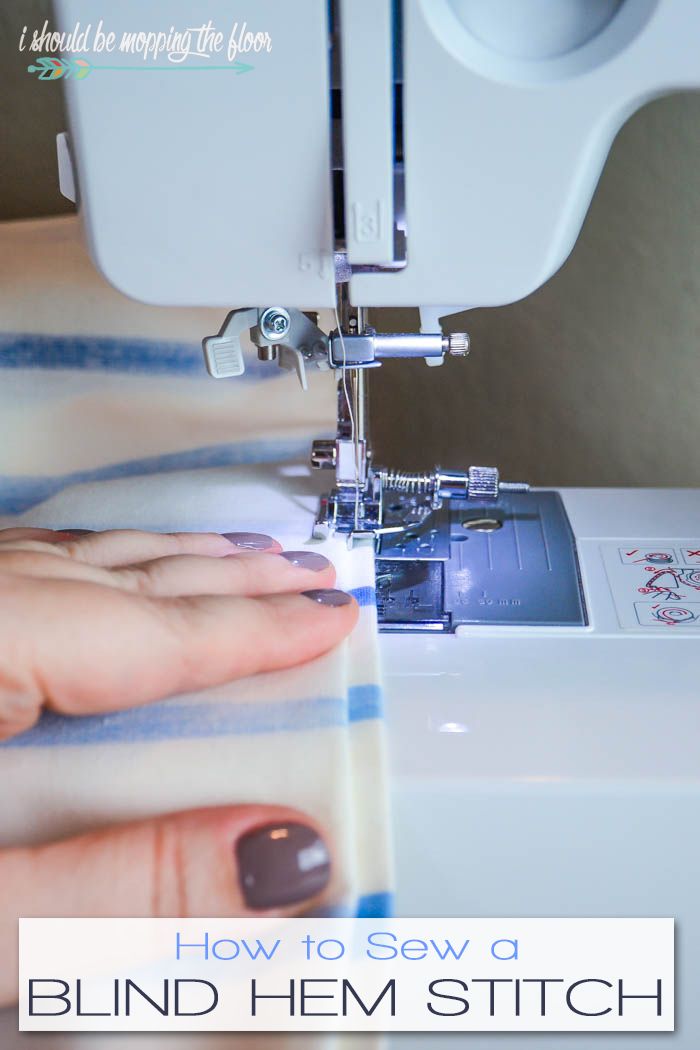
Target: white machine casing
216, 191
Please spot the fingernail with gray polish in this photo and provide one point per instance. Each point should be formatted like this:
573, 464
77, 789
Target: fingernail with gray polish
250, 541
328, 597
307, 560
281, 864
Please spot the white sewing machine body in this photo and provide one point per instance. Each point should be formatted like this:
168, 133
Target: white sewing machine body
544, 763
468, 186
547, 771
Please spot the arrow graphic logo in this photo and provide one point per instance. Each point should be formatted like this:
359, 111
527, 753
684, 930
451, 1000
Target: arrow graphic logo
46, 68
55, 68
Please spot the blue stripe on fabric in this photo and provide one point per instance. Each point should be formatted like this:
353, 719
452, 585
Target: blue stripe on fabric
368, 906
100, 353
175, 721
364, 595
20, 493
375, 906
168, 721
364, 703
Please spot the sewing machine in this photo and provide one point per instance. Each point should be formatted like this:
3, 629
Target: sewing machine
540, 647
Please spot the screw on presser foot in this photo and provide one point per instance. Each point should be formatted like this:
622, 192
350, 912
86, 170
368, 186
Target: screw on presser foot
274, 323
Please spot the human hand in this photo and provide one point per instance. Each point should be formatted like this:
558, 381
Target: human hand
104, 621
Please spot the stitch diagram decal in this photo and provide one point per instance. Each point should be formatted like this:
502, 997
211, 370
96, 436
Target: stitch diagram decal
654, 585
667, 583
673, 616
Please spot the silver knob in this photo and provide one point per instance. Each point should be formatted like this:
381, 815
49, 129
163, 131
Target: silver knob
483, 484
458, 344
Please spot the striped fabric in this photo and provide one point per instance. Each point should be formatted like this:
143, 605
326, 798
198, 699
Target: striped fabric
108, 420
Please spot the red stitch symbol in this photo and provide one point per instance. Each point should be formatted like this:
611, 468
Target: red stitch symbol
674, 617
655, 557
656, 584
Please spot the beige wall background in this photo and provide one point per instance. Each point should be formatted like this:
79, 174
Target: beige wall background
594, 379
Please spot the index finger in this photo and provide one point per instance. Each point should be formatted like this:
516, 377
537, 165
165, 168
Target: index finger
127, 546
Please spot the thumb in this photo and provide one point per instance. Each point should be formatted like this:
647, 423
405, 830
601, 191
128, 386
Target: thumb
233, 860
